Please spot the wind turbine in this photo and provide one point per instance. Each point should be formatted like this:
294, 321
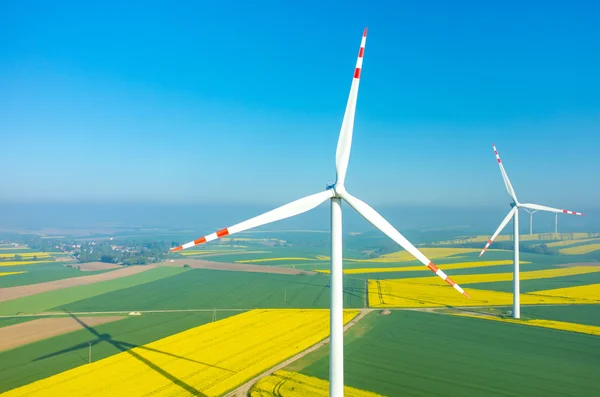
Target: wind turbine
531, 220
514, 214
336, 193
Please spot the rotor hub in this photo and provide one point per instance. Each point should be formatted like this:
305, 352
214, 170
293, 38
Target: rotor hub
338, 189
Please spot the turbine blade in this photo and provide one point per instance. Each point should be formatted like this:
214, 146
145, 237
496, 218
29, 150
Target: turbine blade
286, 211
509, 188
342, 154
538, 207
502, 226
382, 224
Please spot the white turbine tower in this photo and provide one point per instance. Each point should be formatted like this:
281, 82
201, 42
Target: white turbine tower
531, 220
514, 213
336, 193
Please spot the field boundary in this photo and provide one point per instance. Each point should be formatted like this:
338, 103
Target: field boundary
242, 391
22, 291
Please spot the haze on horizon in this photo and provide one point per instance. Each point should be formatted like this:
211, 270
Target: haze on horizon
196, 105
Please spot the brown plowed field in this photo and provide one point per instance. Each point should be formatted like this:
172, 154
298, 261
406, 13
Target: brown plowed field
21, 334
238, 267
26, 290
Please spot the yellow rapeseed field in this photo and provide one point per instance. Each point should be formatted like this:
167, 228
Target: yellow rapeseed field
580, 250
10, 273
496, 277
294, 384
571, 242
582, 294
210, 359
405, 256
19, 263
564, 326
447, 266
399, 293
26, 254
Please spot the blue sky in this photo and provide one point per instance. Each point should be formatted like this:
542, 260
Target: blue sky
203, 102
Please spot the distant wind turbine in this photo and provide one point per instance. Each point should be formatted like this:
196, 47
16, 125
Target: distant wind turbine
531, 220
336, 193
514, 214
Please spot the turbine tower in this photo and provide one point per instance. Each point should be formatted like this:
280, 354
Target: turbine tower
514, 214
531, 220
335, 193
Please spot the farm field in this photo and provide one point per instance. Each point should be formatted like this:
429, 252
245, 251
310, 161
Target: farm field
46, 300
451, 266
193, 361
496, 277
2, 274
40, 273
201, 289
38, 360
559, 325
9, 263
562, 237
566, 243
43, 328
531, 286
580, 249
393, 280
580, 314
292, 384
24, 254
550, 362
397, 293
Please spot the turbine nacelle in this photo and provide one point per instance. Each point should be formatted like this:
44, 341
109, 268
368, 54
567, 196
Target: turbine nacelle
339, 190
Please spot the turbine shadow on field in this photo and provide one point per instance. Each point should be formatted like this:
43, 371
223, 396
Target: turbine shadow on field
128, 347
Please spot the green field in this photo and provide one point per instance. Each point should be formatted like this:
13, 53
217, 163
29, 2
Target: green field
541, 284
41, 359
41, 273
414, 353
6, 321
580, 314
197, 289
47, 300
405, 353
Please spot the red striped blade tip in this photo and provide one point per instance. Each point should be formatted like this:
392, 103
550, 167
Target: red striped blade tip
177, 248
467, 295
365, 32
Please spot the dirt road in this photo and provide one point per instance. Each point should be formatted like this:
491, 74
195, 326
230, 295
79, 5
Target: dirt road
243, 390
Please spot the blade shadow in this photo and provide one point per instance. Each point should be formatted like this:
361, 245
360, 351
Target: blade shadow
128, 347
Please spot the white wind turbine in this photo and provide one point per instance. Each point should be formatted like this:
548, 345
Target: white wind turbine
531, 220
335, 193
514, 213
